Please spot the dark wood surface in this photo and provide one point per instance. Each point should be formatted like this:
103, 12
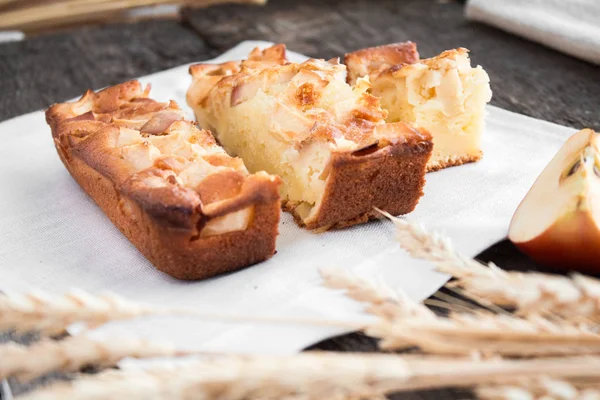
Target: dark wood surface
526, 77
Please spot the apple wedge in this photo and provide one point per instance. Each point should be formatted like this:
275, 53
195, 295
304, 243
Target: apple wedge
558, 222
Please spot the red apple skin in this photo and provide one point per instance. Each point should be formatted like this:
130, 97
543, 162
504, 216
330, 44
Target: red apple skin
572, 243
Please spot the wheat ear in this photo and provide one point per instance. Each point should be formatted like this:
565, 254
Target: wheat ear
383, 301
485, 335
431, 246
530, 293
407, 323
37, 311
571, 298
72, 354
543, 388
309, 376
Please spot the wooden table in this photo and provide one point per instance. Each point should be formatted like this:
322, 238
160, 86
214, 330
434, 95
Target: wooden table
526, 77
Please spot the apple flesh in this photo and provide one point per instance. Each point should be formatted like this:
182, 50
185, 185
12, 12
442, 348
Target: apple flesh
558, 222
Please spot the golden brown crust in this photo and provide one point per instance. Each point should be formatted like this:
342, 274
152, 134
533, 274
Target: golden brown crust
109, 142
454, 162
388, 175
373, 60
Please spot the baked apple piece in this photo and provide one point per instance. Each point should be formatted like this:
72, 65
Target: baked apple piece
327, 140
373, 60
558, 222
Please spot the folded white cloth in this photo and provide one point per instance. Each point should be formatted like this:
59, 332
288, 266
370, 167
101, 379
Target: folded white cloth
11, 36
570, 26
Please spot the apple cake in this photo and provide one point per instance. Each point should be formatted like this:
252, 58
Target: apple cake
327, 140
444, 95
190, 208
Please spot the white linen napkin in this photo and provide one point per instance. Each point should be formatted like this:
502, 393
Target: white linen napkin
11, 36
53, 237
570, 26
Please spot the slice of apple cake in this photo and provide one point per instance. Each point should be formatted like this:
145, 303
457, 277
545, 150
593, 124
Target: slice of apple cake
444, 95
190, 208
327, 140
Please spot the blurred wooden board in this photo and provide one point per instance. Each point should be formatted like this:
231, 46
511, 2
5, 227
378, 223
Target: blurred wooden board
46, 69
45, 15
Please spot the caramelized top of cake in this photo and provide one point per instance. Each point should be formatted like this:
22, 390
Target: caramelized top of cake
373, 60
444, 59
306, 102
443, 94
151, 153
455, 59
446, 82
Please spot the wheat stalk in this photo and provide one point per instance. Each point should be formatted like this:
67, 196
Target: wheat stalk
384, 301
406, 323
60, 12
543, 388
74, 353
515, 338
488, 334
431, 246
309, 376
575, 297
531, 293
38, 311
